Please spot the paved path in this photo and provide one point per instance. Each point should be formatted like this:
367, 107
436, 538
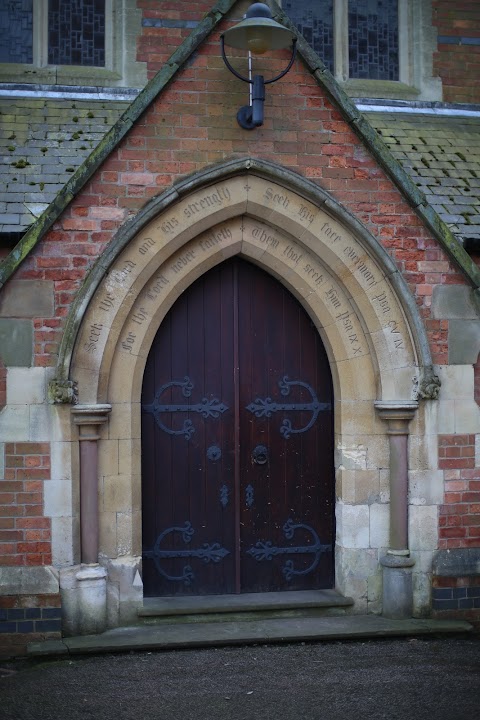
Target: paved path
428, 679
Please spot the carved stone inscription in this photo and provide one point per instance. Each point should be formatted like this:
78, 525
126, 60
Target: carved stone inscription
346, 320
107, 301
128, 343
215, 238
93, 335
391, 325
121, 274
170, 272
212, 199
364, 268
156, 286
328, 231
359, 265
295, 216
319, 278
287, 202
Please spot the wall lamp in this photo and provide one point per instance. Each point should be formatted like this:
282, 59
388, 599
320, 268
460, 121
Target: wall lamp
257, 33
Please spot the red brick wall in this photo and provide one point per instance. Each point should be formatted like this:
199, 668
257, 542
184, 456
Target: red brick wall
192, 125
460, 514
457, 63
25, 535
158, 43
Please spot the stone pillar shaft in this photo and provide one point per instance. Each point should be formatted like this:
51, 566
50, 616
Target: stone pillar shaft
398, 416
89, 418
397, 565
89, 527
398, 492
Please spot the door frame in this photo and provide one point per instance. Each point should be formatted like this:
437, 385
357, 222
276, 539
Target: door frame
270, 217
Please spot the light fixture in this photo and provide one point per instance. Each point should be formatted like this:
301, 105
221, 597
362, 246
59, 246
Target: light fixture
257, 33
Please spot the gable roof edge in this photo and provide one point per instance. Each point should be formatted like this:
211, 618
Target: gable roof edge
325, 79
110, 140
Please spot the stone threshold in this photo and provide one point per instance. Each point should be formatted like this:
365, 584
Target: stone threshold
245, 602
204, 635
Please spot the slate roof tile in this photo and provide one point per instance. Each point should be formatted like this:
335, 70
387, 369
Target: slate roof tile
442, 156
41, 140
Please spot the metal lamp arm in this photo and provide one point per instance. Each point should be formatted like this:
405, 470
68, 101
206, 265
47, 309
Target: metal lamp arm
266, 82
230, 67
292, 60
251, 116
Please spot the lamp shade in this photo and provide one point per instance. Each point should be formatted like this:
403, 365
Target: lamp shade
258, 32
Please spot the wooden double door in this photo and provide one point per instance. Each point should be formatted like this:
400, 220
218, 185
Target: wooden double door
237, 442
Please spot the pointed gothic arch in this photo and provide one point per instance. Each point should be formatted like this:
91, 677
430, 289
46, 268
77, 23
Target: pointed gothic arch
349, 286
303, 217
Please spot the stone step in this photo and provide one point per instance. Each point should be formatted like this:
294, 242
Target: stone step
170, 637
244, 607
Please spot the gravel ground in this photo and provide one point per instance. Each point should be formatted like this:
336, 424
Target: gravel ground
429, 679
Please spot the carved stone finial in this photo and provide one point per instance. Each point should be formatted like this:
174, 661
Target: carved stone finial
429, 385
63, 392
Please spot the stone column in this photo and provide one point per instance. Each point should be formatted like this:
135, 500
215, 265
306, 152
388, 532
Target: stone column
84, 587
88, 418
397, 564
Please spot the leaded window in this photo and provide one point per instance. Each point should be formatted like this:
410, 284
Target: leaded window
16, 31
373, 39
315, 22
76, 32
368, 30
71, 32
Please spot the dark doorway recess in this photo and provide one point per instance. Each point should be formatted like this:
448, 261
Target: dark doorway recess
237, 442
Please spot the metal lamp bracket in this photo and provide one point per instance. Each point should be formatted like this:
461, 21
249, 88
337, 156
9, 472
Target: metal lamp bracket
251, 116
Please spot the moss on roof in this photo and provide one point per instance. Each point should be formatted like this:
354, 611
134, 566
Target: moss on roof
364, 129
442, 156
42, 142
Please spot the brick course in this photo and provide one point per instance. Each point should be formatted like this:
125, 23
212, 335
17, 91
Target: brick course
457, 63
25, 619
25, 535
459, 517
456, 596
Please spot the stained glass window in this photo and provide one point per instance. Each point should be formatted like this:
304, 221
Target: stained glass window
373, 39
16, 31
76, 32
315, 22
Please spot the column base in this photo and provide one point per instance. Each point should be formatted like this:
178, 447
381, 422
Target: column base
83, 590
397, 587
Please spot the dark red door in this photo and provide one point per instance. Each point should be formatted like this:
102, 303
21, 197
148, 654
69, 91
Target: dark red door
237, 442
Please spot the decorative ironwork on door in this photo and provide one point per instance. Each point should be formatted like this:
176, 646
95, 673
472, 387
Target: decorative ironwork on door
264, 550
208, 552
264, 407
206, 408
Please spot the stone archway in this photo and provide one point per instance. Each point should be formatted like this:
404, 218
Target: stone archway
346, 283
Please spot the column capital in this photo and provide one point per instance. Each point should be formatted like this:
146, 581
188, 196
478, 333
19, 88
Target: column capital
88, 418
397, 415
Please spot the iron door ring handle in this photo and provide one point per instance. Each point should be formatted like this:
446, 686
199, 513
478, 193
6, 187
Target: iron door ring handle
260, 455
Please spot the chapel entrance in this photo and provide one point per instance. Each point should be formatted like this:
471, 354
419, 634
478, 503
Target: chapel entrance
237, 442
